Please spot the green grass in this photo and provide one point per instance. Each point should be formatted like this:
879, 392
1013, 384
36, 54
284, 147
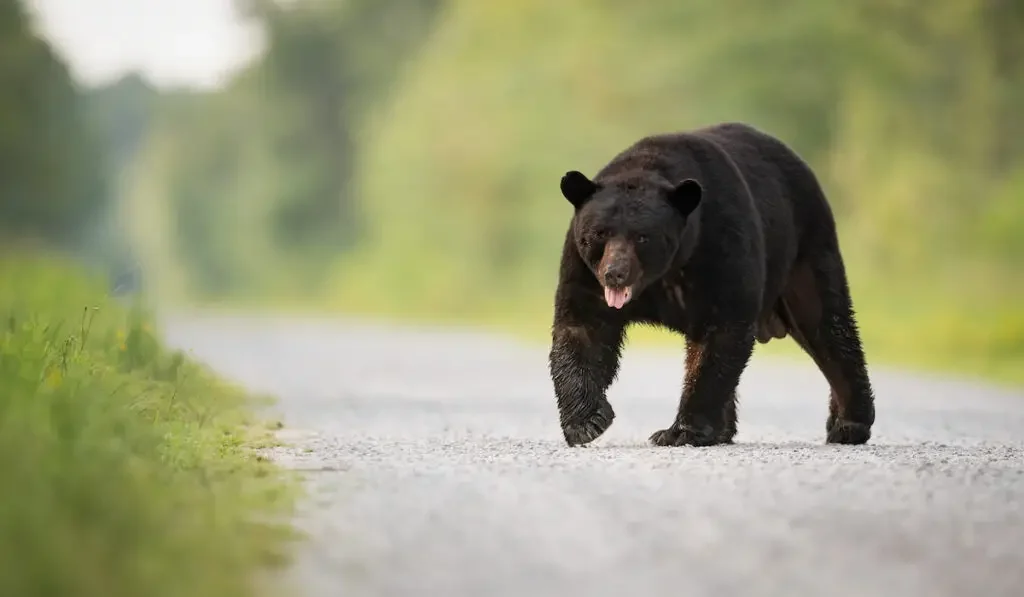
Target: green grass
127, 469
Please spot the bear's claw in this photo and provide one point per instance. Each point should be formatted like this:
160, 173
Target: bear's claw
842, 431
689, 435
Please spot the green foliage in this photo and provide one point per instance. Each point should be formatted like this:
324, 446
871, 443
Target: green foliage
257, 178
433, 163
128, 469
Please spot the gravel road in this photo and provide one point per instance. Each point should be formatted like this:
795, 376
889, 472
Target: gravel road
436, 467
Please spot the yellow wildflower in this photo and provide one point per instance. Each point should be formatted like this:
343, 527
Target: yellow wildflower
54, 377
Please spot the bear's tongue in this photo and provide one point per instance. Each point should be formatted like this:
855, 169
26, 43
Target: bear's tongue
617, 297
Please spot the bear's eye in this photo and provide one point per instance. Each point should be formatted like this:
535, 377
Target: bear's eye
641, 239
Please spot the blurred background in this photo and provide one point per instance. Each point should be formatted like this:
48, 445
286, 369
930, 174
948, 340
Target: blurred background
401, 158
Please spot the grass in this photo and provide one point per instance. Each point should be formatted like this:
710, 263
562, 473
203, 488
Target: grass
127, 469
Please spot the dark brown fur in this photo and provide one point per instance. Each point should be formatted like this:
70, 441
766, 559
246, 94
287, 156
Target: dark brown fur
744, 251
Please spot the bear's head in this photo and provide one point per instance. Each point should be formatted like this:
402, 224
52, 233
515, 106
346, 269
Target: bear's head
629, 230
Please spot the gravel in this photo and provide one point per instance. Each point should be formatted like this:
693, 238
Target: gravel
436, 467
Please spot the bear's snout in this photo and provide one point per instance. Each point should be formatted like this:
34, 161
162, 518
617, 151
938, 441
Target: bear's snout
616, 274
618, 267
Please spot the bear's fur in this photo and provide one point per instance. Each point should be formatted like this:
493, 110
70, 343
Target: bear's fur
722, 234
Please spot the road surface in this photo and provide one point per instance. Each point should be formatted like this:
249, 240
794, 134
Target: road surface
436, 467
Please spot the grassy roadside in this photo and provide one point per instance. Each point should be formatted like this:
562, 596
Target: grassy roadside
127, 469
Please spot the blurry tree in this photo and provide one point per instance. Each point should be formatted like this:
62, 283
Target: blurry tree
52, 181
122, 113
258, 176
325, 65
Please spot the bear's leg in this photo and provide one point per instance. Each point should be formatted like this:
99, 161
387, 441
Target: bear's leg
817, 301
833, 411
584, 361
707, 409
729, 430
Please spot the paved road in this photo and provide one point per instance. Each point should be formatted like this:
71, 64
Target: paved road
437, 468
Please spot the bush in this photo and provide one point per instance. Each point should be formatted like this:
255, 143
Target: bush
127, 469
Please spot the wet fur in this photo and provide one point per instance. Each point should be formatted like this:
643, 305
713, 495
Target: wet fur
757, 260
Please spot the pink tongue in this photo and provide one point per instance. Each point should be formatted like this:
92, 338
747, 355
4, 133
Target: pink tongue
616, 297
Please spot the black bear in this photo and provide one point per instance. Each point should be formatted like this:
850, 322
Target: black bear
724, 235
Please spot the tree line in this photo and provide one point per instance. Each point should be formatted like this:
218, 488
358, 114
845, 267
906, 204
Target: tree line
405, 154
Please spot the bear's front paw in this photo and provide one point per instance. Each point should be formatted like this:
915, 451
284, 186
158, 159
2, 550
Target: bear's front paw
843, 431
585, 428
697, 433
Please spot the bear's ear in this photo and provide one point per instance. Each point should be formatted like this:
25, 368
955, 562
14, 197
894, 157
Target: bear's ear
686, 196
577, 188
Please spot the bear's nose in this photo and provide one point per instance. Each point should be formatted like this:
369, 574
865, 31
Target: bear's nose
615, 275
